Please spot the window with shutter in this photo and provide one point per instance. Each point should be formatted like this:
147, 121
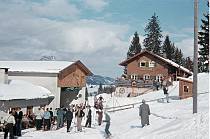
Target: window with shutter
152, 64
147, 64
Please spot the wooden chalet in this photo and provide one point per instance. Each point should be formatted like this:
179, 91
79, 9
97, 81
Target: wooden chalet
148, 66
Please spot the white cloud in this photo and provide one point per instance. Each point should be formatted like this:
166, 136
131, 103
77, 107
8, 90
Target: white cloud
56, 9
25, 36
97, 5
186, 45
91, 36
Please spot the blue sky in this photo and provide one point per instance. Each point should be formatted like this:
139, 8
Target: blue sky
98, 32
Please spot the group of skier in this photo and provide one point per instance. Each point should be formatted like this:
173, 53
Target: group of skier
44, 119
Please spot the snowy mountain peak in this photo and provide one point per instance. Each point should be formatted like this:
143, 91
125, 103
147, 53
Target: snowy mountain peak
97, 79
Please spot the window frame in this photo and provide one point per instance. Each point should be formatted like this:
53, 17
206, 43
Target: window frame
185, 86
152, 64
133, 76
141, 63
145, 77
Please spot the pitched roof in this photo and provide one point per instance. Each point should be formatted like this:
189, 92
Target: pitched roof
185, 79
124, 63
18, 89
40, 66
35, 66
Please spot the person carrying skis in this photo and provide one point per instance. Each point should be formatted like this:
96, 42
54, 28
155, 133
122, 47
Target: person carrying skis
144, 112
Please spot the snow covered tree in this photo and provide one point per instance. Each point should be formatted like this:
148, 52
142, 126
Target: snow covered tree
167, 48
135, 46
100, 89
203, 37
152, 41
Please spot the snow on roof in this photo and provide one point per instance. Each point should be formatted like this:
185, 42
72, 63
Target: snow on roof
18, 89
35, 66
185, 79
174, 64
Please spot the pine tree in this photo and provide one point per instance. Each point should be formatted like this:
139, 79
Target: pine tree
173, 48
100, 89
176, 56
181, 59
189, 64
167, 48
152, 41
203, 37
135, 46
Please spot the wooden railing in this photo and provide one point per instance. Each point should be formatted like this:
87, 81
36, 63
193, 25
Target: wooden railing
132, 105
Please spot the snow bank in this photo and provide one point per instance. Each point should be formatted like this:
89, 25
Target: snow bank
18, 89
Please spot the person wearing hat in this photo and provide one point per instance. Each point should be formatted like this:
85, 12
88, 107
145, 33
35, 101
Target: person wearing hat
88, 122
144, 112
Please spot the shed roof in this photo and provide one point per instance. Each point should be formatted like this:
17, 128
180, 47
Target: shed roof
35, 66
185, 79
40, 66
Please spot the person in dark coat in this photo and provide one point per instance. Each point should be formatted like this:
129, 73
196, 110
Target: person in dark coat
60, 116
69, 117
18, 118
88, 122
154, 83
51, 115
144, 112
100, 116
165, 91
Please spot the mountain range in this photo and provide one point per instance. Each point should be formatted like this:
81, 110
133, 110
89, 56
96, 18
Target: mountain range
97, 79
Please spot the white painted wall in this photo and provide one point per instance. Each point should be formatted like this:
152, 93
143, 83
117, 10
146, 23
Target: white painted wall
49, 82
3, 76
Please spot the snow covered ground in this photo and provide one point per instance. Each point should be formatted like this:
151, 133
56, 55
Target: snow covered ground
172, 120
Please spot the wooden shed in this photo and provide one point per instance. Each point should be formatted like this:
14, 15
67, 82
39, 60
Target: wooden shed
185, 87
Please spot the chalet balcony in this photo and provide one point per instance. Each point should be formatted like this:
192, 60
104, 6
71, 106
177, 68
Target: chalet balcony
133, 83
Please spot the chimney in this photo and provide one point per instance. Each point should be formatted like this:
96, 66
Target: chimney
4, 75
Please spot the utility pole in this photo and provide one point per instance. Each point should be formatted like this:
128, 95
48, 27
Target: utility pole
195, 65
